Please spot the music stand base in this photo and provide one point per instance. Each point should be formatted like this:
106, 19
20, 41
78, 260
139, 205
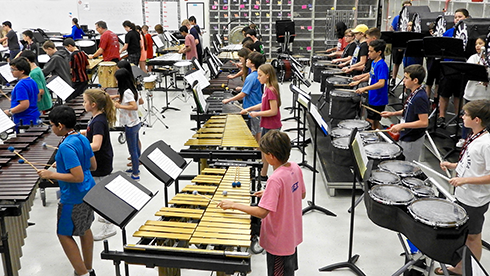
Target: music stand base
312, 206
305, 164
350, 264
165, 108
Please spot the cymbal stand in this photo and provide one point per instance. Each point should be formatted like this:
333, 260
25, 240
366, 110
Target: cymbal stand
151, 110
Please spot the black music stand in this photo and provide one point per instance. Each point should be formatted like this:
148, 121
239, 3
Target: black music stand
165, 73
164, 163
399, 42
361, 170
304, 102
465, 72
319, 123
115, 207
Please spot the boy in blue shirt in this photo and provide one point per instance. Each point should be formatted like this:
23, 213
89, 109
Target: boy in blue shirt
378, 84
74, 160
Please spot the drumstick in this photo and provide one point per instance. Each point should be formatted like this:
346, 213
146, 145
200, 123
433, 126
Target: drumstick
342, 85
436, 172
12, 149
372, 109
438, 154
378, 130
6, 96
348, 90
442, 189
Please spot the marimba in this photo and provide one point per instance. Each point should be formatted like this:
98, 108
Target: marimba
194, 233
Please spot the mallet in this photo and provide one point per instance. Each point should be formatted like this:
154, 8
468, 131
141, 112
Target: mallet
21, 161
12, 149
48, 146
208, 198
6, 96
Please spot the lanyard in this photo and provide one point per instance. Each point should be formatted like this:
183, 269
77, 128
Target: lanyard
405, 106
468, 142
68, 134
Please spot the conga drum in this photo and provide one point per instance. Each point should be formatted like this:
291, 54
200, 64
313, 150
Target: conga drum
106, 72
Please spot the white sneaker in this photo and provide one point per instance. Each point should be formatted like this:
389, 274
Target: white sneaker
101, 219
108, 230
460, 143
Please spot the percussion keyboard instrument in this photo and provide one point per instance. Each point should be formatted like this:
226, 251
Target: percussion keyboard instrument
166, 60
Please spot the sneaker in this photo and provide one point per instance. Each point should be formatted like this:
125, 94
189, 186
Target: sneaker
135, 177
441, 122
129, 170
460, 143
92, 272
108, 230
101, 219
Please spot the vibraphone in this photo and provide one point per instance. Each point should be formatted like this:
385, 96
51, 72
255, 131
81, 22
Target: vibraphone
194, 233
18, 183
216, 107
166, 60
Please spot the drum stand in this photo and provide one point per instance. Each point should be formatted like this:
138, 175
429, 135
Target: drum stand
151, 110
165, 74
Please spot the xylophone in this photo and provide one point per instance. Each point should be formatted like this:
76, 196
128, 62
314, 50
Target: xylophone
18, 183
216, 107
194, 233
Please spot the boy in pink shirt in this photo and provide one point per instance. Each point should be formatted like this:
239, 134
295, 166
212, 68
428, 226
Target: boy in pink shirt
280, 206
190, 49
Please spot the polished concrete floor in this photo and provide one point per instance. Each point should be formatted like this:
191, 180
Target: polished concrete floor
325, 237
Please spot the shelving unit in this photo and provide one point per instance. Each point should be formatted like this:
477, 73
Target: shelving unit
476, 9
309, 16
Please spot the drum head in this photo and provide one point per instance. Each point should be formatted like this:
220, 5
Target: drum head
391, 194
438, 212
402, 168
410, 182
341, 143
422, 191
351, 124
369, 137
382, 150
384, 177
340, 132
337, 80
107, 63
343, 93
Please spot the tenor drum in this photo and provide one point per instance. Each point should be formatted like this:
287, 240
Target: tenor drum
106, 72
382, 151
423, 192
438, 212
379, 177
351, 124
410, 182
183, 67
340, 154
338, 132
369, 137
392, 195
344, 104
402, 168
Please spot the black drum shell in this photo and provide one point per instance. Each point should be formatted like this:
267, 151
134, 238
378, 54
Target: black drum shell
326, 86
345, 106
317, 71
341, 156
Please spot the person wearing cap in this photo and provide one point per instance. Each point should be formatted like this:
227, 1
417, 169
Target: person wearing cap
359, 57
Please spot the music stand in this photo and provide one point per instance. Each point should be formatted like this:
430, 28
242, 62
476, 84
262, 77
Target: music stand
164, 163
399, 42
118, 199
319, 123
361, 166
304, 102
464, 71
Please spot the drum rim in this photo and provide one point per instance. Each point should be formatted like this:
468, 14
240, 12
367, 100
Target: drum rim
430, 195
412, 174
343, 94
383, 201
453, 224
398, 153
337, 139
390, 183
332, 133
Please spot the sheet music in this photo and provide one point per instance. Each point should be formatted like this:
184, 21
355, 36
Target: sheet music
5, 122
129, 193
360, 154
60, 88
6, 73
165, 163
318, 118
476, 268
199, 76
158, 41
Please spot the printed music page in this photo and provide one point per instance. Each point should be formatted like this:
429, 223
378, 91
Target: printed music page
6, 73
199, 76
60, 88
5, 122
129, 193
166, 164
360, 154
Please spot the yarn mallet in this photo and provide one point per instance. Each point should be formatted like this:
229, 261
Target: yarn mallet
12, 149
48, 146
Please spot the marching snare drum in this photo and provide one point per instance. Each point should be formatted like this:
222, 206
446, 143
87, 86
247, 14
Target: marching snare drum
106, 72
391, 195
438, 212
340, 153
402, 168
344, 104
379, 177
183, 67
422, 191
351, 124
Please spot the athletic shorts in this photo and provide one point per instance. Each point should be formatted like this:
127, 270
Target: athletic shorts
476, 217
373, 115
282, 265
254, 125
74, 220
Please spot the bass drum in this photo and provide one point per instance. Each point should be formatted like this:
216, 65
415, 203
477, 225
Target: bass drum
283, 69
443, 23
469, 30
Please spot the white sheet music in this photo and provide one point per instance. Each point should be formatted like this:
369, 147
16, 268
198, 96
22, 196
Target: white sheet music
126, 191
5, 122
199, 76
60, 88
165, 163
6, 73
158, 41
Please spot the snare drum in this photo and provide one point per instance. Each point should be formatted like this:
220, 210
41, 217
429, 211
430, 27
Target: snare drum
382, 151
344, 104
338, 132
351, 124
340, 154
149, 82
402, 168
438, 212
391, 195
379, 177
106, 72
86, 45
183, 67
423, 192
